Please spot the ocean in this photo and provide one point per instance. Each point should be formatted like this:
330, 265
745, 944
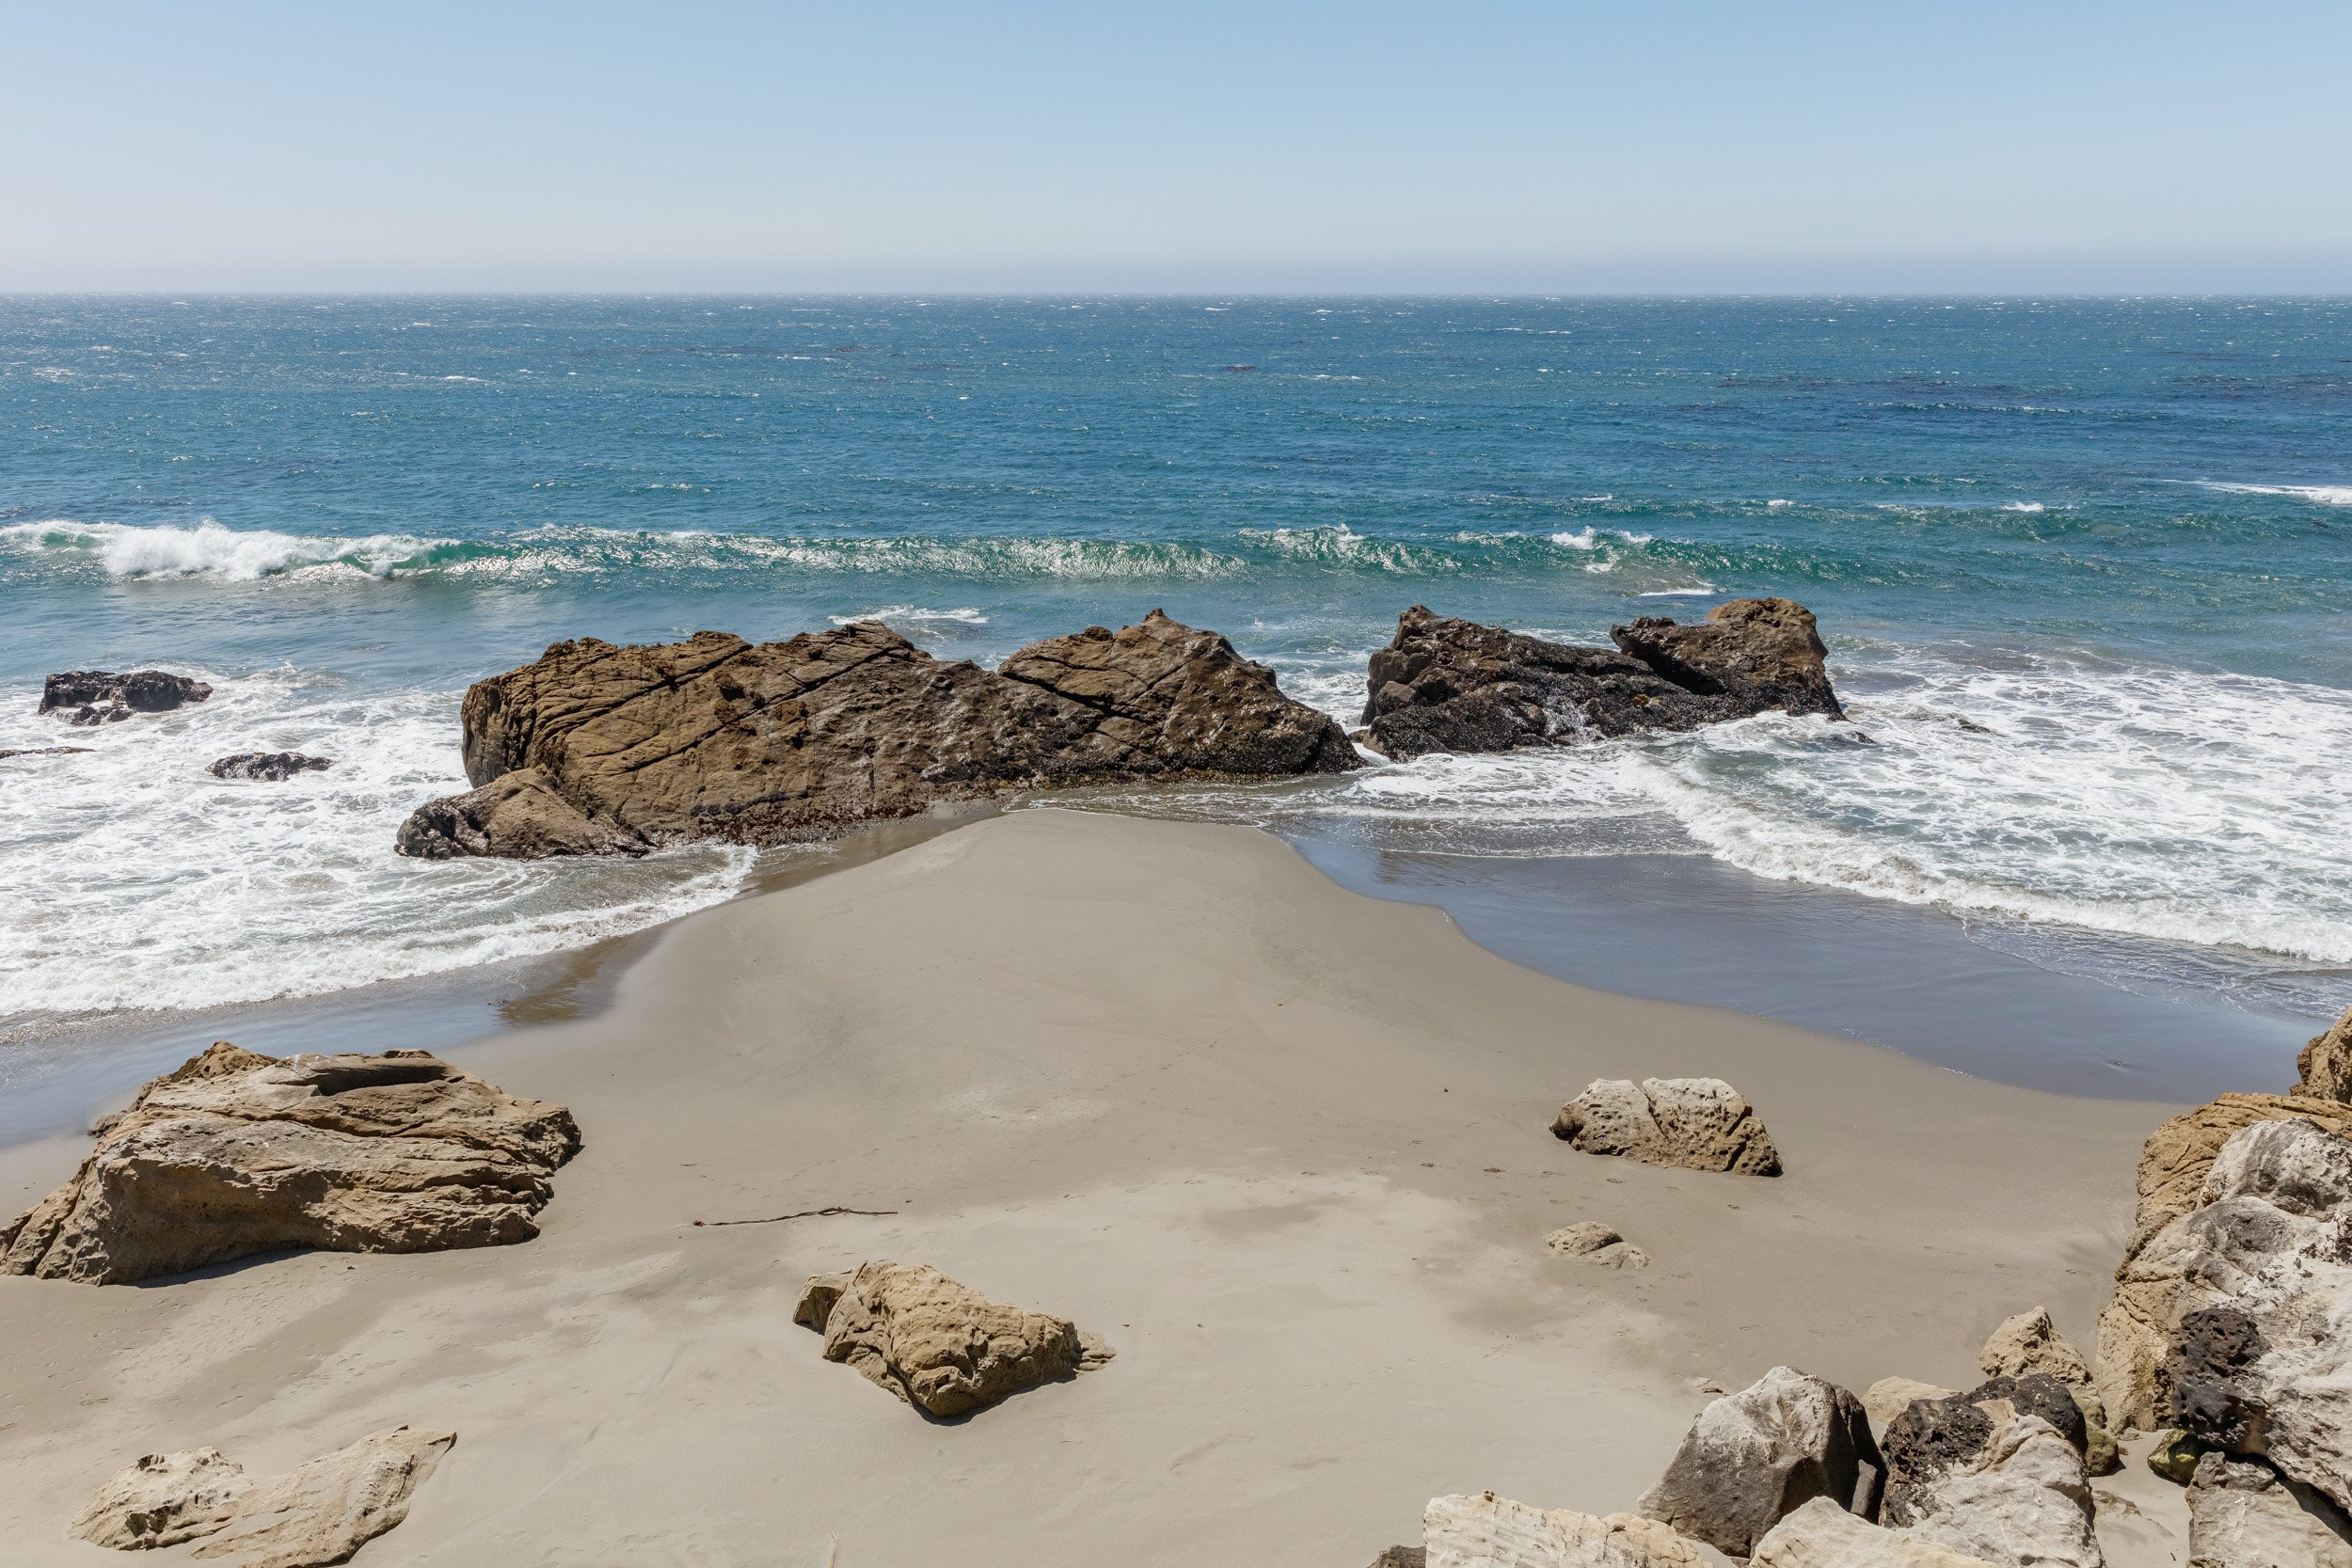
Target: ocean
2081, 567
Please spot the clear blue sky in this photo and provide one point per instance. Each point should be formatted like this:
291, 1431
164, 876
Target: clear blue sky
1479, 146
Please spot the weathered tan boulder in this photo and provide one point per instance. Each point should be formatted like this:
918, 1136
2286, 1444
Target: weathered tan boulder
2024, 1503
235, 1153
1753, 1457
1446, 685
2179, 1155
716, 739
1889, 1397
2323, 1068
318, 1514
1487, 1531
2031, 1344
1591, 1242
1823, 1535
1697, 1123
2242, 1513
938, 1345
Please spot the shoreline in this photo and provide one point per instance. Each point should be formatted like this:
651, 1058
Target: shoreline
1285, 1146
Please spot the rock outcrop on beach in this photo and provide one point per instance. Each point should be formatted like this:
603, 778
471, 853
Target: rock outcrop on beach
1753, 1457
621, 748
1591, 1242
2242, 1513
2323, 1068
1487, 1531
318, 1514
940, 1346
2174, 1167
103, 697
1446, 685
1697, 1123
271, 766
1823, 1535
236, 1154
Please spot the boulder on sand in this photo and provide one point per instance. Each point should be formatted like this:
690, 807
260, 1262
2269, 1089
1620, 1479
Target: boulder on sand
1823, 1535
2323, 1068
236, 1154
318, 1514
716, 739
1753, 1457
103, 697
2242, 1513
1591, 1242
1932, 1439
1697, 1123
1446, 685
1487, 1531
940, 1346
270, 767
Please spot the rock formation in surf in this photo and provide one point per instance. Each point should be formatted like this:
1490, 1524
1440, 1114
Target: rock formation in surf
940, 1346
597, 749
103, 697
317, 1514
1753, 1457
236, 1154
1444, 684
1697, 1123
271, 766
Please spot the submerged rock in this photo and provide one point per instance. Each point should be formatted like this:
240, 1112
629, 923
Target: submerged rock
1446, 685
270, 767
2242, 1513
103, 697
1487, 1531
940, 1346
1753, 1457
2323, 1068
46, 752
716, 739
236, 1154
1697, 1123
1823, 1535
318, 1514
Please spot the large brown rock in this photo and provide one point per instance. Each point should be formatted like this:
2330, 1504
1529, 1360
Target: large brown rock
1446, 685
2173, 1165
1697, 1123
317, 1514
714, 738
1754, 1457
2323, 1068
236, 1154
940, 1346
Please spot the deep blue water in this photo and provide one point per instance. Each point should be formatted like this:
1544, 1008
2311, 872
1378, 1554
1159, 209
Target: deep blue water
2117, 534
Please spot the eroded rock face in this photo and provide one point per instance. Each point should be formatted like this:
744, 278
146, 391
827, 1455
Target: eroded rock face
1696, 1123
1445, 685
714, 738
940, 1346
1823, 1535
2244, 1514
318, 1514
2323, 1068
1487, 1531
1753, 1457
102, 697
2174, 1164
236, 1154
2023, 1503
270, 767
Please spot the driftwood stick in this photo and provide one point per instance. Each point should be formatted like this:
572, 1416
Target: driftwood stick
801, 1215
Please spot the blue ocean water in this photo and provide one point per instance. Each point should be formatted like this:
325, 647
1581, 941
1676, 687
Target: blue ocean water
2114, 537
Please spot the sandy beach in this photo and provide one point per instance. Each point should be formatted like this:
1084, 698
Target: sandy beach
1286, 1147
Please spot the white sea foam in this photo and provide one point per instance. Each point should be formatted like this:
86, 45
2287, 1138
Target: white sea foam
2325, 495
903, 616
2024, 506
208, 550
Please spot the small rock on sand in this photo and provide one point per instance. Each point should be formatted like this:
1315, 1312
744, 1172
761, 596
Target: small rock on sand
1591, 1242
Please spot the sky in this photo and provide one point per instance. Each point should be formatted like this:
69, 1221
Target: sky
1642, 145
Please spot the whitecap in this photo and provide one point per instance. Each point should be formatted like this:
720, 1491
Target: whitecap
208, 550
2325, 495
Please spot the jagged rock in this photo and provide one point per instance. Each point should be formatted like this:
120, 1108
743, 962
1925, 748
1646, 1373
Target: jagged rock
1823, 1535
943, 1348
2173, 1166
1444, 684
2023, 1503
2242, 1513
1487, 1531
269, 767
714, 738
1889, 1397
1754, 1456
318, 1514
2030, 1342
2323, 1068
1699, 1123
2174, 1456
1403, 1557
1591, 1242
236, 1154
516, 815
45, 752
103, 697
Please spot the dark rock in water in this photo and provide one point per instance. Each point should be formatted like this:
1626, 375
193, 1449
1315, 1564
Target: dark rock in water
47, 752
1445, 685
103, 697
274, 767
625, 747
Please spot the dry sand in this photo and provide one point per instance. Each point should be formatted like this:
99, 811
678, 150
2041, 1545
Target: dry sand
1286, 1147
